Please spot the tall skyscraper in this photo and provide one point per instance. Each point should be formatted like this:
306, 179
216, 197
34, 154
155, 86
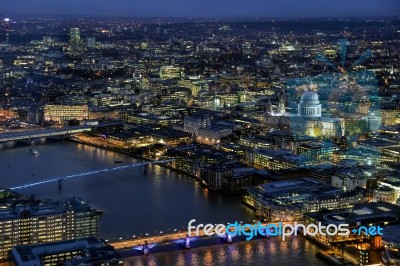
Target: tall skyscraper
74, 36
6, 25
91, 42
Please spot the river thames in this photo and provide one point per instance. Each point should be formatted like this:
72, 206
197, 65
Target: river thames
135, 203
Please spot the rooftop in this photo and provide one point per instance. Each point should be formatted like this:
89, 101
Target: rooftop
91, 248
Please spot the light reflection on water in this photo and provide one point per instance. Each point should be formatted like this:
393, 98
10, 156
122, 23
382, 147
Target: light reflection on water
135, 203
255, 252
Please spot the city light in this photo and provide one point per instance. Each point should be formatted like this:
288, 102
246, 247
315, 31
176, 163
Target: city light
277, 126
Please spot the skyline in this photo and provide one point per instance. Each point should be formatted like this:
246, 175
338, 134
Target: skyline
197, 133
205, 9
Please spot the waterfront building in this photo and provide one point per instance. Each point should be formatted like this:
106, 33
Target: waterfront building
25, 222
83, 251
359, 246
63, 113
143, 136
216, 169
289, 200
127, 140
227, 178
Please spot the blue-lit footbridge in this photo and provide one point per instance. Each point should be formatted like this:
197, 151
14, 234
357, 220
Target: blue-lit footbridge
60, 179
144, 245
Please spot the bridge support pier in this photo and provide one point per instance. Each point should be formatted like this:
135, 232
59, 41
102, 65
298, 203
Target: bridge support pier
146, 248
7, 144
229, 239
33, 141
187, 242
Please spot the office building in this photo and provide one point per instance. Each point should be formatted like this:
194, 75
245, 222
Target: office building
84, 251
74, 37
27, 221
62, 113
289, 200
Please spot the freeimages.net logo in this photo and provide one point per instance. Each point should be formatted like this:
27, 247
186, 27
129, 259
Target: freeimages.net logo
279, 229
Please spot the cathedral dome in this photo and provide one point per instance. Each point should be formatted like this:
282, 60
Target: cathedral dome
309, 97
309, 105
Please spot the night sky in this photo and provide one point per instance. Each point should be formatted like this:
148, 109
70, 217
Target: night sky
203, 8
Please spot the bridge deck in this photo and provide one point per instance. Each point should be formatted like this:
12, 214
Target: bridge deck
4, 137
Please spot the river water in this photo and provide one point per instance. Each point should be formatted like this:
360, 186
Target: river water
138, 203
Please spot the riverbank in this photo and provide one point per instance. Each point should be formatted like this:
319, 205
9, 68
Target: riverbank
110, 149
163, 246
325, 256
136, 156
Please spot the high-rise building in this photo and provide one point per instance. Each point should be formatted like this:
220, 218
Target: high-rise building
6, 24
246, 48
27, 221
90, 42
74, 36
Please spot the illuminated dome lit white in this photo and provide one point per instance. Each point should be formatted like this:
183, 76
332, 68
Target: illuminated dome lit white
309, 105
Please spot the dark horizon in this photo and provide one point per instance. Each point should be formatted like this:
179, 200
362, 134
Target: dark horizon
223, 9
199, 18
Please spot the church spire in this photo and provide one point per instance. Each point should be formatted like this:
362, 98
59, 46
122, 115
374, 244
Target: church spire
281, 104
268, 108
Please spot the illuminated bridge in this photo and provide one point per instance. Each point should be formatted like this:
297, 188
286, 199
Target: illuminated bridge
61, 178
44, 133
